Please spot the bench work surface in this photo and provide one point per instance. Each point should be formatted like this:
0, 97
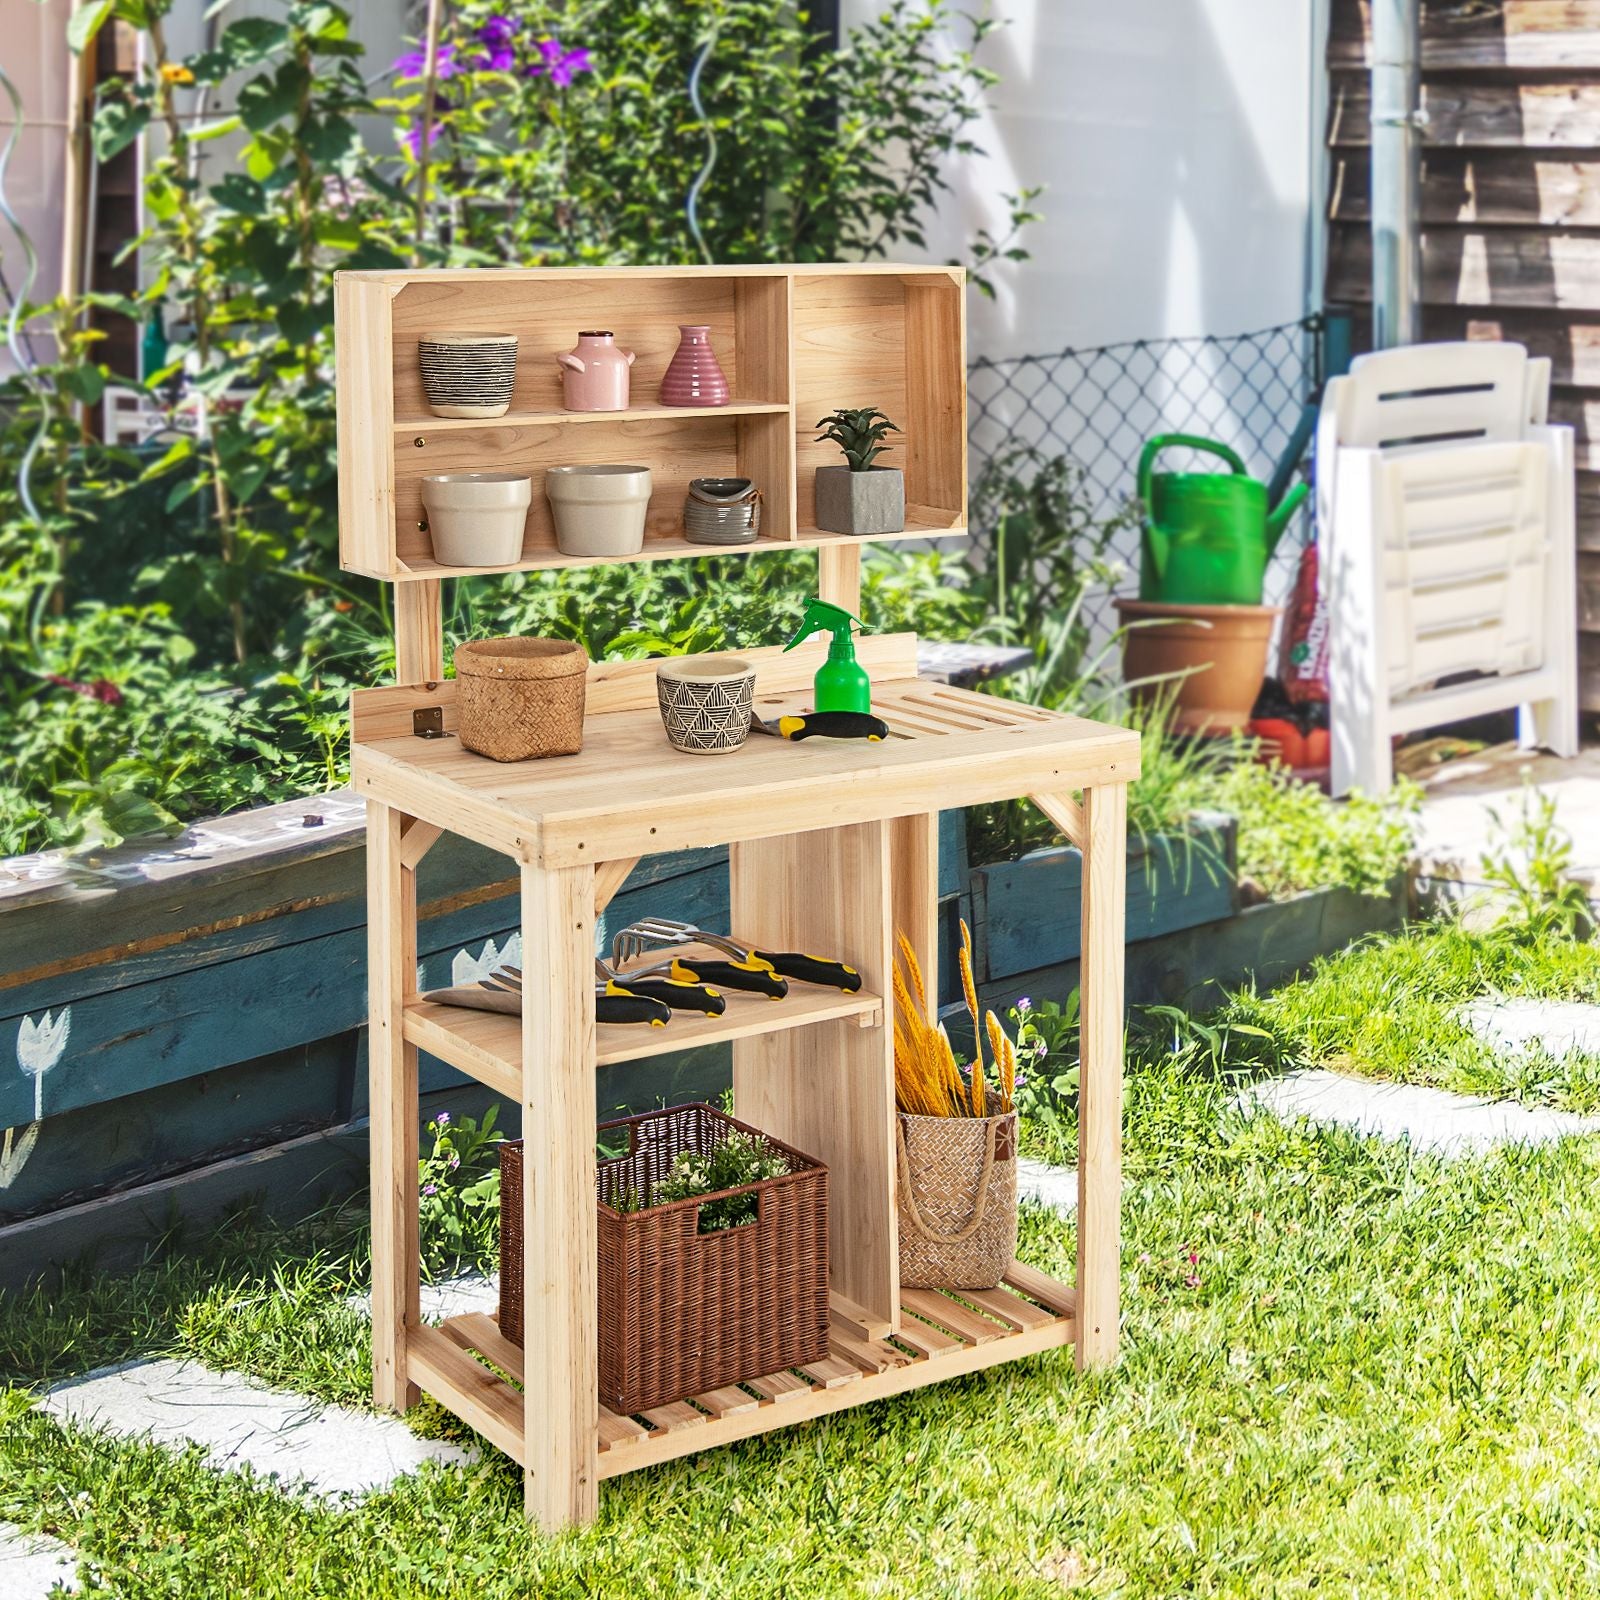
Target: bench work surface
629, 793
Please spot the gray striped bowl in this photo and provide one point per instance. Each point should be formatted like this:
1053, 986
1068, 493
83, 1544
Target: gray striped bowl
722, 511
468, 374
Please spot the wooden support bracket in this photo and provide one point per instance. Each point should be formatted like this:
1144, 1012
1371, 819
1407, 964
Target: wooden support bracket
610, 876
1065, 812
416, 840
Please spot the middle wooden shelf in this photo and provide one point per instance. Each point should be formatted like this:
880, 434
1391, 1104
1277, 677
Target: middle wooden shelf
424, 425
487, 1045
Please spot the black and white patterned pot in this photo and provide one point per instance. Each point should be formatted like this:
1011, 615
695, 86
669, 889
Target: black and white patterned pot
706, 702
468, 374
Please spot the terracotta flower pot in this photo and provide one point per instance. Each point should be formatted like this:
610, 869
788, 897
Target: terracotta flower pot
1216, 656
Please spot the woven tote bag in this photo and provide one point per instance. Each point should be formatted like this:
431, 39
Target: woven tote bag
957, 1199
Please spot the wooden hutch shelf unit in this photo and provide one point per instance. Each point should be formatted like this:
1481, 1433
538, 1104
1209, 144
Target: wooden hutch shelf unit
794, 342
832, 847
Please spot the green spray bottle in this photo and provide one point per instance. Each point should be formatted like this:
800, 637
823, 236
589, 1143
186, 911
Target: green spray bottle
841, 683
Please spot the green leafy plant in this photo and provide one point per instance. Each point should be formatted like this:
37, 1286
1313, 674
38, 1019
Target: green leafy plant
859, 434
561, 134
1293, 838
458, 1188
1532, 870
1047, 1062
241, 266
740, 1159
564, 132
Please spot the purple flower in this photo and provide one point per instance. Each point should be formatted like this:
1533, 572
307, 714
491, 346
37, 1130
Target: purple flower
412, 137
442, 1120
559, 64
430, 1188
455, 1161
1024, 1006
498, 35
414, 64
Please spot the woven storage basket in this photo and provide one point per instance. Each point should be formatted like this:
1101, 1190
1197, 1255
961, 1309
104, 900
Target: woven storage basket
520, 699
958, 1200
682, 1311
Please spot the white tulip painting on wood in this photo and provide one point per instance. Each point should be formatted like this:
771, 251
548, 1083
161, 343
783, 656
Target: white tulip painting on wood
40, 1045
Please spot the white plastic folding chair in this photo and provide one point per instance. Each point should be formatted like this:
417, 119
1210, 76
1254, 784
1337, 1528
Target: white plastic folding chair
1445, 521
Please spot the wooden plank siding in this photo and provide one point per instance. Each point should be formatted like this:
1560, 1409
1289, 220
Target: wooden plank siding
1510, 207
1534, 35
1475, 113
1499, 187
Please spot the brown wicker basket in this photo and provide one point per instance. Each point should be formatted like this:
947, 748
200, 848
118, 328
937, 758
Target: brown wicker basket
521, 699
682, 1311
958, 1200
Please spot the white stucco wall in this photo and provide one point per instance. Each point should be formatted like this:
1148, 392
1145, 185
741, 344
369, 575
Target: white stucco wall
1175, 140
34, 59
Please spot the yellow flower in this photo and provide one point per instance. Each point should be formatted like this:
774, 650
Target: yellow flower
175, 72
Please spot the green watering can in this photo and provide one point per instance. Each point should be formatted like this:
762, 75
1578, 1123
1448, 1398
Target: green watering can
1207, 535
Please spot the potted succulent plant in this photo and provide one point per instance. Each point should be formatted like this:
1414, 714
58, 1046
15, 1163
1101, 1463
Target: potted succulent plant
859, 497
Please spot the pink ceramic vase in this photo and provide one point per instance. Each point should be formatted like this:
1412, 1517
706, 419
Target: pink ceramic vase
594, 375
694, 378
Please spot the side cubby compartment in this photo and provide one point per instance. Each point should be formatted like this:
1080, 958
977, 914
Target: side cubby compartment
896, 341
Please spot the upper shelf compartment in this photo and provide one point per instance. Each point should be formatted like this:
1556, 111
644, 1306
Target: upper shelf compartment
793, 342
747, 317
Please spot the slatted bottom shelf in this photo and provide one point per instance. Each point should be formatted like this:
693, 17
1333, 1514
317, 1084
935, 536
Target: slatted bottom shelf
943, 1334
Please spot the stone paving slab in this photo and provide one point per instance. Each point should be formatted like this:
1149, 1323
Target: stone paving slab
450, 1297
1456, 829
34, 1566
1430, 1119
1523, 1024
329, 1450
1056, 1187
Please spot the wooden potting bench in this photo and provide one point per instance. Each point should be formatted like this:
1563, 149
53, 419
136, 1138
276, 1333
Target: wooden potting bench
832, 847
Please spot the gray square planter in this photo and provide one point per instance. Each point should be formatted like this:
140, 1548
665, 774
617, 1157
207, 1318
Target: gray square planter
873, 501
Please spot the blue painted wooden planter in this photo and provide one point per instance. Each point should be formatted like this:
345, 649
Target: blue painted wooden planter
1027, 913
161, 1007
171, 1009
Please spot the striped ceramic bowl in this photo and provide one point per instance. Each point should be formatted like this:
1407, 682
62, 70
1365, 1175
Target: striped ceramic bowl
722, 511
468, 374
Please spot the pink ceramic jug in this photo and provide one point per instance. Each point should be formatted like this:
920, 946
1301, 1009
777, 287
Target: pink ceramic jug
695, 377
594, 374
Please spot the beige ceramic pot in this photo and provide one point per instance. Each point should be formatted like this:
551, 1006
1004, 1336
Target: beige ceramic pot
477, 519
598, 511
1213, 659
706, 702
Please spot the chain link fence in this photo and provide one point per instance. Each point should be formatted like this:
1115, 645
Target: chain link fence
1100, 406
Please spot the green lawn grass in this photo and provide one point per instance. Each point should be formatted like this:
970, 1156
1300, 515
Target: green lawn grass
1346, 1371
1388, 1008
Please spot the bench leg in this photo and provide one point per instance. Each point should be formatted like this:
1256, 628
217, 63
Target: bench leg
392, 1069
561, 1419
1105, 817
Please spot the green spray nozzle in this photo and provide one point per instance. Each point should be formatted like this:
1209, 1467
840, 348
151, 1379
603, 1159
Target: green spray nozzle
841, 682
822, 616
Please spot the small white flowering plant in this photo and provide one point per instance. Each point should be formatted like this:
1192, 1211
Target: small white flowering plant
740, 1159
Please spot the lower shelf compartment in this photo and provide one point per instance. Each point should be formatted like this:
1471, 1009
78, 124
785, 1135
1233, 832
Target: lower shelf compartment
943, 1334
